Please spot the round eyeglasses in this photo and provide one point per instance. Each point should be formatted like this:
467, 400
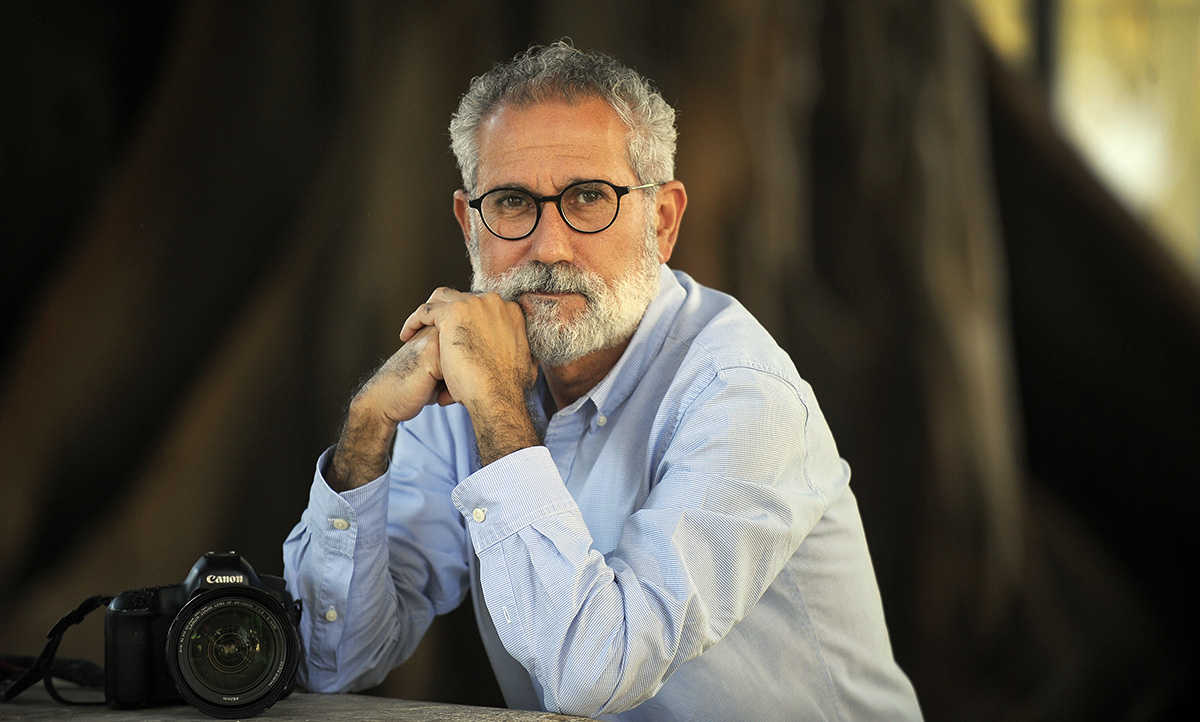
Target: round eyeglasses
587, 206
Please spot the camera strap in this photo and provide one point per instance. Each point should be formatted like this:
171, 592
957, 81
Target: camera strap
44, 668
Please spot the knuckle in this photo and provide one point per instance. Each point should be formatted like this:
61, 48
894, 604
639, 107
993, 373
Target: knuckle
453, 314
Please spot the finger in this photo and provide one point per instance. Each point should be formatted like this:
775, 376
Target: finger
433, 352
421, 317
445, 294
515, 312
418, 319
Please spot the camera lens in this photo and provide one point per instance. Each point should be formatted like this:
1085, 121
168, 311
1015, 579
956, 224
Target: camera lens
232, 647
232, 652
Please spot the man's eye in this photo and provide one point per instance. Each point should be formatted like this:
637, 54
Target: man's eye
586, 195
512, 201
509, 203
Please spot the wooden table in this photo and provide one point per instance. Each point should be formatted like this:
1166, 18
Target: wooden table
35, 704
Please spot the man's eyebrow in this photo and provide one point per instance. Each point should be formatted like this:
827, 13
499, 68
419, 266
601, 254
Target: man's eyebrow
509, 186
522, 187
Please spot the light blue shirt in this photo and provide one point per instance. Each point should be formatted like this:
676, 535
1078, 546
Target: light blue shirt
684, 545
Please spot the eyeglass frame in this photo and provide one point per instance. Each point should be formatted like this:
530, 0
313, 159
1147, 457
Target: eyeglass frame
539, 201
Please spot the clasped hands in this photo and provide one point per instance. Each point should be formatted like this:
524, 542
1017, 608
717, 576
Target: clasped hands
458, 347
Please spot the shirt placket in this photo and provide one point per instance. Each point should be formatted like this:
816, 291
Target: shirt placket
562, 439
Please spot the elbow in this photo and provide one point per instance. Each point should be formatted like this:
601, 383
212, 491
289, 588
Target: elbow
353, 663
593, 700
319, 680
580, 701
592, 685
329, 681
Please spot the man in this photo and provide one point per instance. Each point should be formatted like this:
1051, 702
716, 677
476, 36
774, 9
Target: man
628, 473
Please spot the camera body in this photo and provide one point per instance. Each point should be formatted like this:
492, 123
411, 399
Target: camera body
226, 640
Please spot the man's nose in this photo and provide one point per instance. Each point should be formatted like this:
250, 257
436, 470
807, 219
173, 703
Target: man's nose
552, 240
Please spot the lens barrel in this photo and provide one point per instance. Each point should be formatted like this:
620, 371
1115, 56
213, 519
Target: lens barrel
232, 651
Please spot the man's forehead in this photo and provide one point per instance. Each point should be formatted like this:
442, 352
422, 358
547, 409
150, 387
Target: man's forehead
551, 138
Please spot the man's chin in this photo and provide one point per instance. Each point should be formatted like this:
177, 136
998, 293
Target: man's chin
553, 354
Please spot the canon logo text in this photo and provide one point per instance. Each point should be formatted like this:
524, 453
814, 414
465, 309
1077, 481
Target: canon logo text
225, 579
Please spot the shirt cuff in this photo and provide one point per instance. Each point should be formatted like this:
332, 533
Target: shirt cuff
361, 511
509, 494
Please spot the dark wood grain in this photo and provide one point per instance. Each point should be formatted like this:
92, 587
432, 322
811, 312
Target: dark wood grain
35, 704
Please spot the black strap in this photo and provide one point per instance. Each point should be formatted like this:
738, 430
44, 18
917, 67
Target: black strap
44, 667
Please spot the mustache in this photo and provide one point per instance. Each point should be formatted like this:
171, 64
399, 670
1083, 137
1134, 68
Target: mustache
538, 277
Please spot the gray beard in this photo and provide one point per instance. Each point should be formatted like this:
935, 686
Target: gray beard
610, 315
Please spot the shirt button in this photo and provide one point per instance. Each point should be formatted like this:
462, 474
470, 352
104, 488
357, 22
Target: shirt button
479, 514
601, 420
331, 615
340, 524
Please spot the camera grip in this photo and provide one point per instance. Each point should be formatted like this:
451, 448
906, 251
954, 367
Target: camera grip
127, 656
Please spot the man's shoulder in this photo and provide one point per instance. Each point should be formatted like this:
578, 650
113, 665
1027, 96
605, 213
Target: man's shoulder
713, 332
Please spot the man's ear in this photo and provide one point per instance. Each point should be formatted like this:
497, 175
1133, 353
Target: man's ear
462, 212
672, 202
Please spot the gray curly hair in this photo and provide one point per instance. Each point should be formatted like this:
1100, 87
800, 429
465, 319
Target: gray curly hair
560, 71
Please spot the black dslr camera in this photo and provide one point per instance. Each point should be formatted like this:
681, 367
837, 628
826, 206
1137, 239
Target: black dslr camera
226, 641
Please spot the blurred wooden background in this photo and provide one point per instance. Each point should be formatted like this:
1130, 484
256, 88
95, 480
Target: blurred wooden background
217, 217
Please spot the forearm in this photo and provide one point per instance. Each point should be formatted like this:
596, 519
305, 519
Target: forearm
398, 391
363, 450
501, 429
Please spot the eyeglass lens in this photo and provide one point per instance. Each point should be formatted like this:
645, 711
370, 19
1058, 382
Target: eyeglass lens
587, 207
